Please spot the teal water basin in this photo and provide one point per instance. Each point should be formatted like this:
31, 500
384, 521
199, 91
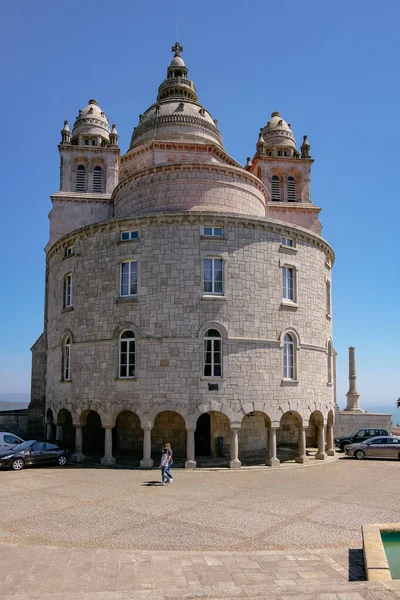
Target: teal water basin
391, 543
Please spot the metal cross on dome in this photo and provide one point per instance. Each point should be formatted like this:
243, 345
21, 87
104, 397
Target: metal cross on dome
177, 49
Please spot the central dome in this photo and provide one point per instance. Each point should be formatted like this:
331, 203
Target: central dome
177, 115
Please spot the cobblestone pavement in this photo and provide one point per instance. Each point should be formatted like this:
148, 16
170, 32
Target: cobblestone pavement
94, 534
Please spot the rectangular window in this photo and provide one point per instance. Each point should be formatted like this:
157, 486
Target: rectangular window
67, 359
129, 278
213, 282
212, 358
129, 235
288, 362
68, 290
213, 231
285, 241
69, 251
288, 283
127, 358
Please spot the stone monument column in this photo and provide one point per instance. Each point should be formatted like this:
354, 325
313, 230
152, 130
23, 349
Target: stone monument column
352, 395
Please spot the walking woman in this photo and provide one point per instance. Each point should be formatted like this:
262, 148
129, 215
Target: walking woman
164, 467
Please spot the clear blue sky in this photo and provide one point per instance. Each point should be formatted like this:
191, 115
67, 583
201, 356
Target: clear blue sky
330, 68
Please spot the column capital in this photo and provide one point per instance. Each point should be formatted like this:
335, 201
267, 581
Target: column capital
236, 426
77, 425
192, 429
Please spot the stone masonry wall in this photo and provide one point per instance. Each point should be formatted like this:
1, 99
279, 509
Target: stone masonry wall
350, 422
170, 315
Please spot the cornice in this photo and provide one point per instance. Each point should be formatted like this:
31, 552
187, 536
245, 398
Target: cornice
195, 218
191, 167
87, 149
188, 146
79, 197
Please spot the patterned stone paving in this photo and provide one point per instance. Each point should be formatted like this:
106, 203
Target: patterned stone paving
93, 534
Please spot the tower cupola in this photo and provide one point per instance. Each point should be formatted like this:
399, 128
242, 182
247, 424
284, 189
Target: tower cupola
91, 127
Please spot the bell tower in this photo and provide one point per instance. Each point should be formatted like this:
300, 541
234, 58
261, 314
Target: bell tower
285, 173
89, 162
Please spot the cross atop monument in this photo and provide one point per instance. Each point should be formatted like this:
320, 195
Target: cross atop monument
177, 49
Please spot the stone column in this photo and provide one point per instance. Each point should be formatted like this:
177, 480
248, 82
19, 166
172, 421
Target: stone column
59, 433
49, 431
302, 457
352, 395
108, 458
190, 460
78, 456
234, 463
330, 450
272, 460
321, 454
146, 462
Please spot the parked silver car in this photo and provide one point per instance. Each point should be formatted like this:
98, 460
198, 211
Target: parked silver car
376, 447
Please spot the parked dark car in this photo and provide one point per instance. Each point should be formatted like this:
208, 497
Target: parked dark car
359, 436
378, 447
33, 453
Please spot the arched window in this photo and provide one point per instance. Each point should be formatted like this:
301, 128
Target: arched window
276, 188
329, 359
80, 178
328, 298
66, 362
98, 179
291, 189
127, 354
212, 353
288, 357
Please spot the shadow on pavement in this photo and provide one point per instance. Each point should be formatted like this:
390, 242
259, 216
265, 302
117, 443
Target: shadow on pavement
356, 565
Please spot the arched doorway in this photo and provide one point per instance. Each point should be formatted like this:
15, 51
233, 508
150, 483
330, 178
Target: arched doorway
253, 438
128, 438
169, 426
202, 436
93, 435
212, 435
288, 436
65, 429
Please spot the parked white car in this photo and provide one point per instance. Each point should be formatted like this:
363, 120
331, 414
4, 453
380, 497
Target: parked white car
8, 440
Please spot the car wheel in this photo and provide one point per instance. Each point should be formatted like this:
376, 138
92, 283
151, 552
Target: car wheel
399, 456
62, 460
18, 464
360, 454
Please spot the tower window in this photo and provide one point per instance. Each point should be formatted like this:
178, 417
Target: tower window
68, 290
291, 189
129, 235
80, 178
213, 277
212, 354
97, 179
213, 231
328, 298
66, 359
276, 188
288, 283
329, 359
285, 241
288, 357
129, 278
127, 354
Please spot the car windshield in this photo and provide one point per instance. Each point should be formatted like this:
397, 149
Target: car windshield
24, 445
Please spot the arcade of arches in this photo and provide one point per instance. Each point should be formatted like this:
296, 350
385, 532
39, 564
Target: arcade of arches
213, 437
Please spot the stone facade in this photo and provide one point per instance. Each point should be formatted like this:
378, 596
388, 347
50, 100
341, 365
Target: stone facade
173, 183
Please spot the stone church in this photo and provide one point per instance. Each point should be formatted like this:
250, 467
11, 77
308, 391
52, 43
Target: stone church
187, 297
